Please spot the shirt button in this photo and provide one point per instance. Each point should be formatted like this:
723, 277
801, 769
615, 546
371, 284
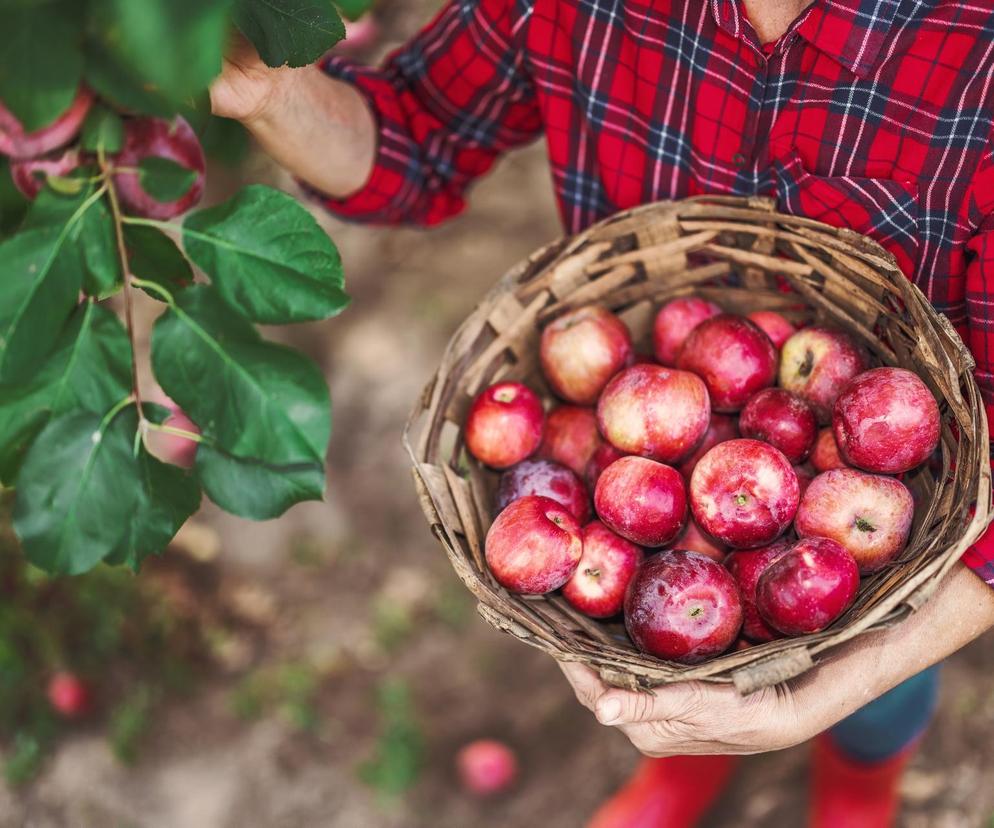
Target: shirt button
739, 159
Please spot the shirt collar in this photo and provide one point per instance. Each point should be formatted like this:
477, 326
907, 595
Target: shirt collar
851, 32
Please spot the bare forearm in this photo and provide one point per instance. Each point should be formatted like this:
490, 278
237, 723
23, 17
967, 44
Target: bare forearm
961, 610
321, 130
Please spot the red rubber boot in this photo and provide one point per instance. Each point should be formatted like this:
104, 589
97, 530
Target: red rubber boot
850, 794
666, 793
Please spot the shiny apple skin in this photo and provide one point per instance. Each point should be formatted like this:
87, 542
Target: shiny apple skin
504, 424
683, 607
721, 428
673, 324
608, 564
816, 364
825, 455
808, 587
746, 565
887, 421
570, 437
693, 539
655, 412
18, 144
733, 357
581, 350
744, 493
642, 500
778, 328
533, 546
605, 455
869, 514
783, 420
548, 479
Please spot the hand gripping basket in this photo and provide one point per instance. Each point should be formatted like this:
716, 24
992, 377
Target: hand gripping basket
736, 252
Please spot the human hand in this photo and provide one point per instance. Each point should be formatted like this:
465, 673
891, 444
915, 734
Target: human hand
697, 717
247, 88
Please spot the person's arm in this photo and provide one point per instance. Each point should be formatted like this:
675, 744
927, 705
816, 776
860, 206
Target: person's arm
401, 143
694, 717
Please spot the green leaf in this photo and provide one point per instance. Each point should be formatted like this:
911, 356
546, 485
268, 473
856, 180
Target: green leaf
103, 130
224, 140
353, 9
92, 233
40, 62
154, 257
90, 369
257, 403
172, 47
268, 257
84, 493
293, 32
13, 204
167, 497
39, 284
114, 81
164, 179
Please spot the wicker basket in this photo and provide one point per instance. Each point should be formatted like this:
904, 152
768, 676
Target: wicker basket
736, 252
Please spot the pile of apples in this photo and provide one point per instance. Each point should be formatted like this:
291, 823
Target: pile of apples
726, 491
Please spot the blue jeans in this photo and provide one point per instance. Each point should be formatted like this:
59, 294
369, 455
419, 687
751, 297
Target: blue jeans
891, 723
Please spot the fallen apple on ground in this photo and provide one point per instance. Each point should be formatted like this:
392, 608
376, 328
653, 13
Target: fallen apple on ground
504, 424
744, 493
69, 695
807, 587
486, 767
533, 546
607, 566
816, 364
547, 479
655, 412
683, 607
869, 514
642, 500
581, 350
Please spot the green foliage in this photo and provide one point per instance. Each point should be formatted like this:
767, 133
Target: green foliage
396, 764
73, 425
289, 689
129, 722
293, 32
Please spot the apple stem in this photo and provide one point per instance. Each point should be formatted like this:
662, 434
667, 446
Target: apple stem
741, 500
864, 525
593, 573
807, 365
696, 611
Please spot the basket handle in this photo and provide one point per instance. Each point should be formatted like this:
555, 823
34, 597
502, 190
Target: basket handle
770, 671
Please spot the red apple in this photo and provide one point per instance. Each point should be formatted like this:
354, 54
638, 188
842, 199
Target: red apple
29, 175
68, 695
156, 138
746, 565
683, 607
721, 428
694, 540
605, 455
598, 586
781, 419
18, 144
808, 587
486, 767
642, 500
805, 474
733, 357
825, 455
174, 448
581, 350
868, 514
886, 420
504, 424
816, 364
571, 436
654, 412
775, 326
744, 493
548, 479
534, 546
674, 322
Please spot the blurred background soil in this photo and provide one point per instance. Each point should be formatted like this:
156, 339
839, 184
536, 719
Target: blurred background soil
344, 663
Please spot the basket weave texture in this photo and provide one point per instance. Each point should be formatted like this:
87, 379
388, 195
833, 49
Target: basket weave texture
738, 253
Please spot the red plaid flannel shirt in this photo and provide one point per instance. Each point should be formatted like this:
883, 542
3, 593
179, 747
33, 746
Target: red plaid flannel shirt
872, 114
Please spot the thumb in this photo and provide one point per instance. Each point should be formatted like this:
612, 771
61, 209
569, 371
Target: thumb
616, 707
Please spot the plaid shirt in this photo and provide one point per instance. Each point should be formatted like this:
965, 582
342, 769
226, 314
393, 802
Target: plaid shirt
872, 114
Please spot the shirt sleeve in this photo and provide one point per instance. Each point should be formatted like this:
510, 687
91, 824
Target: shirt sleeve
980, 333
447, 104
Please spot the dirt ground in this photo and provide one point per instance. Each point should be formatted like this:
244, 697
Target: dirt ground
357, 588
